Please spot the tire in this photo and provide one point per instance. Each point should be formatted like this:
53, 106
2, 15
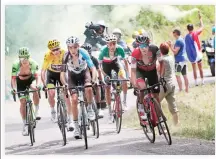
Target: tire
212, 68
118, 113
83, 126
162, 124
145, 127
61, 122
31, 124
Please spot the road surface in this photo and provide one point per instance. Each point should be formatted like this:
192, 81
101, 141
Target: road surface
128, 142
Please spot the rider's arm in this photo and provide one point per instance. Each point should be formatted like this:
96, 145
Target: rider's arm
90, 64
63, 69
35, 69
44, 68
133, 71
122, 53
14, 75
96, 63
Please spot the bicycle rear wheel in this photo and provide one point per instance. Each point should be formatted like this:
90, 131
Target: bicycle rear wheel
118, 113
95, 124
162, 125
84, 124
31, 124
61, 122
147, 126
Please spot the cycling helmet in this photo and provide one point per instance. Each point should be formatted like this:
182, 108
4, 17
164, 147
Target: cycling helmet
110, 38
24, 52
134, 35
87, 47
142, 39
53, 44
117, 31
72, 40
213, 29
141, 31
101, 23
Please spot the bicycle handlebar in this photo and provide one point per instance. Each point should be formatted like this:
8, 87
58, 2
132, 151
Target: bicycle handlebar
118, 80
26, 92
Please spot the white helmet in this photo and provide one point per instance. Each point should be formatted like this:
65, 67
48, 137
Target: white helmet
110, 38
72, 40
117, 31
102, 23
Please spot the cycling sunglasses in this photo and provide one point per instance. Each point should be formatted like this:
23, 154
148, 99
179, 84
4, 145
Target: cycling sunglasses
57, 49
23, 58
143, 46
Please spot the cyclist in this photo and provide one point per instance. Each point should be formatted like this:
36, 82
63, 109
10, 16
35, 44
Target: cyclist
88, 47
24, 72
134, 35
76, 62
143, 66
50, 74
110, 61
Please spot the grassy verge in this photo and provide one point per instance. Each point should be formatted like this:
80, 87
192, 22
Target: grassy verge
196, 113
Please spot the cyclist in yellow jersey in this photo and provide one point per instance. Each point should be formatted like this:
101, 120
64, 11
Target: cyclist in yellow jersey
50, 74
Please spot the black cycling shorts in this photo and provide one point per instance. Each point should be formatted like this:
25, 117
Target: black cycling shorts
78, 79
53, 77
180, 69
151, 76
23, 84
109, 66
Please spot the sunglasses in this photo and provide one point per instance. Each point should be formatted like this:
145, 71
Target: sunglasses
112, 43
23, 58
57, 49
143, 46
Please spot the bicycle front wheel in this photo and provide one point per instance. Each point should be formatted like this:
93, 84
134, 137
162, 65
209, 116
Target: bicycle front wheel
118, 113
61, 122
31, 124
147, 126
84, 124
162, 125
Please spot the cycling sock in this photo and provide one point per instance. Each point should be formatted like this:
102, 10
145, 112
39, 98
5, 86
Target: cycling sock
90, 106
110, 111
24, 121
125, 96
37, 107
52, 109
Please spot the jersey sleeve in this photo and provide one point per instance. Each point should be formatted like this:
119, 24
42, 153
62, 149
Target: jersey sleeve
14, 70
101, 55
86, 56
134, 57
178, 43
96, 63
45, 62
121, 52
34, 68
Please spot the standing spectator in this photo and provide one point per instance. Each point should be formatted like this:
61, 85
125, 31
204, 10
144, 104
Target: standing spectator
213, 33
193, 48
168, 76
180, 61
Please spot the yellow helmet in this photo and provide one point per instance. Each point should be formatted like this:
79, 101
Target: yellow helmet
141, 31
129, 41
53, 44
135, 33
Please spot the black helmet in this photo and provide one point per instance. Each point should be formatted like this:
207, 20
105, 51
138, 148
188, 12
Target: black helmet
87, 47
140, 39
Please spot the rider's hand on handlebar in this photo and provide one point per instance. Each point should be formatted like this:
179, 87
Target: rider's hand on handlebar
44, 88
106, 78
13, 91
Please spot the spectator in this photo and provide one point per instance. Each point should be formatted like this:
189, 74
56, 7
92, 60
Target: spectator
180, 61
168, 76
213, 33
193, 49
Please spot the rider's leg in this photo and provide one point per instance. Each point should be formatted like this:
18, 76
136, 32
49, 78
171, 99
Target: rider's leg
36, 100
89, 95
51, 99
23, 115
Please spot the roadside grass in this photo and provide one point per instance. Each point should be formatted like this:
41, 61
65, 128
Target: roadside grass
196, 114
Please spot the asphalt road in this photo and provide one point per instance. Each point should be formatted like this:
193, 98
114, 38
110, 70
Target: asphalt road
128, 142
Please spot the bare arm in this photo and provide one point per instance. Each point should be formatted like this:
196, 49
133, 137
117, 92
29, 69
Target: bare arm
62, 78
43, 73
133, 71
175, 50
201, 23
13, 83
126, 65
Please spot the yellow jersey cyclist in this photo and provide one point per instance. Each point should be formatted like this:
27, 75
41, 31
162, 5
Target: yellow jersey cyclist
88, 47
50, 74
76, 64
24, 72
109, 59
